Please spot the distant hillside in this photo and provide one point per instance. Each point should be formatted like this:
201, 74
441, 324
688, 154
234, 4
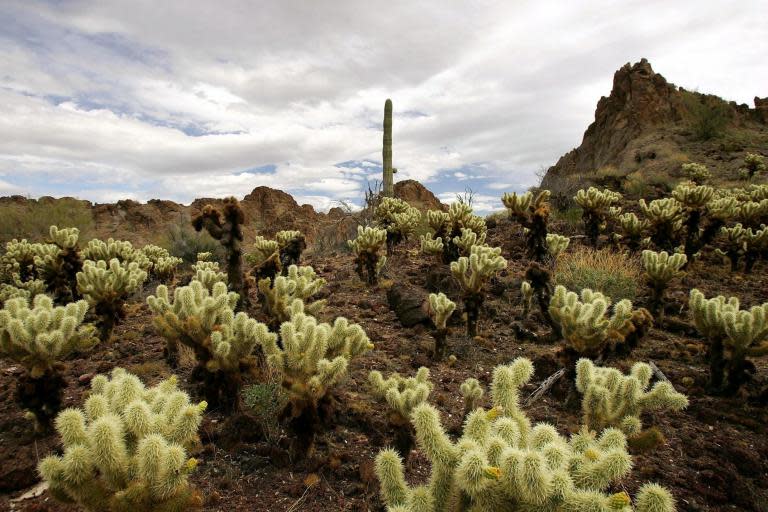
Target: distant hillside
647, 127
267, 211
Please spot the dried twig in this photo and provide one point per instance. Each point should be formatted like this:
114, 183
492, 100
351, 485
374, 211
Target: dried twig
544, 387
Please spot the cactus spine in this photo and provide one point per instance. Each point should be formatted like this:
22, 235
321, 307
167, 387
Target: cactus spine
127, 448
226, 227
38, 338
386, 152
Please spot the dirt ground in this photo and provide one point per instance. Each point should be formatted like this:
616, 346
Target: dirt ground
715, 457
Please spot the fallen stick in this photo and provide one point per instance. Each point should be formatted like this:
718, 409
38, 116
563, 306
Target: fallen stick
544, 387
658, 373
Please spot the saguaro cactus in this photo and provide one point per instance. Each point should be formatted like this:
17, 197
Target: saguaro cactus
612, 399
660, 269
472, 273
368, 261
402, 395
226, 227
440, 309
312, 359
733, 335
107, 287
503, 462
39, 338
126, 449
386, 152
223, 342
533, 214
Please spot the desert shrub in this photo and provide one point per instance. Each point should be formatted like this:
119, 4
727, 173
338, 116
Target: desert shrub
612, 273
708, 115
33, 219
266, 402
184, 242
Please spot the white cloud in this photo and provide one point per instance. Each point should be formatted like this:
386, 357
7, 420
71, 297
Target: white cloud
176, 99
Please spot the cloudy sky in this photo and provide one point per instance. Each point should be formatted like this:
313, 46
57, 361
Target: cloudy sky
178, 99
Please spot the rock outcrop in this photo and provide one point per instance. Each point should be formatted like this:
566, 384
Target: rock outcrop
644, 125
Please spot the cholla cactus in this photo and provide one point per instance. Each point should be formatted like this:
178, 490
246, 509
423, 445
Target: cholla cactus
533, 214
432, 246
660, 269
472, 392
39, 337
107, 287
402, 395
502, 462
440, 309
556, 244
58, 263
204, 256
116, 249
291, 243
733, 335
632, 229
155, 252
612, 399
223, 341
526, 295
665, 217
226, 227
300, 283
596, 204
208, 277
587, 327
749, 243
753, 164
264, 259
126, 449
698, 173
312, 358
165, 268
752, 213
472, 273
19, 259
449, 225
399, 219
467, 240
368, 261
702, 215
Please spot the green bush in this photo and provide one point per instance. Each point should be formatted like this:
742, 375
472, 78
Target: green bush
709, 116
266, 401
612, 273
184, 242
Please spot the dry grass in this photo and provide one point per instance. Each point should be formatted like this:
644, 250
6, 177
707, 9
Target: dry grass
613, 273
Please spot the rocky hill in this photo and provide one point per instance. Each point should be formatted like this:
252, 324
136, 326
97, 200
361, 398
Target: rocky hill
267, 211
647, 127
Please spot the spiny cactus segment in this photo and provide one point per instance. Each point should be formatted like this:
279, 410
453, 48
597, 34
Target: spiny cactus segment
299, 283
556, 245
126, 449
447, 226
472, 392
698, 173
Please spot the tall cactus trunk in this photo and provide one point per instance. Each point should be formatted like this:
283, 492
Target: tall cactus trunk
386, 153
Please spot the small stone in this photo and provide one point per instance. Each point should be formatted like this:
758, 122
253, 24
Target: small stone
85, 379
